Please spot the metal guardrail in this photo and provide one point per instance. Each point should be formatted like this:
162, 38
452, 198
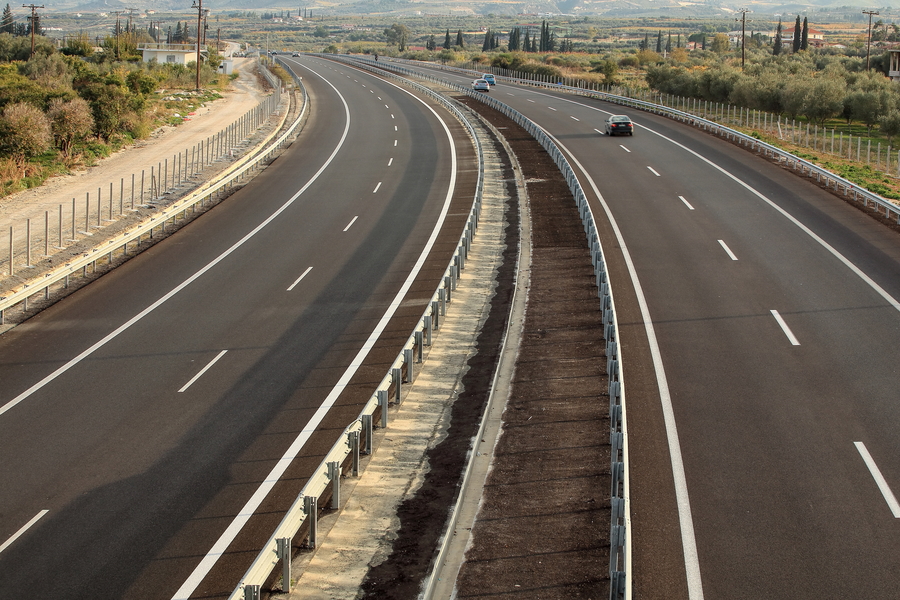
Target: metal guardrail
620, 531
804, 167
343, 457
190, 202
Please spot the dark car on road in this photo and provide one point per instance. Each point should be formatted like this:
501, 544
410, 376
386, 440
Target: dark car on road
617, 124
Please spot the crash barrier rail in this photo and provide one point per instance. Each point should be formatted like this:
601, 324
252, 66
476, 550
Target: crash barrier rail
882, 206
324, 486
620, 534
241, 169
42, 235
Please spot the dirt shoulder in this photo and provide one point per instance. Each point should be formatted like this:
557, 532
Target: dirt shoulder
244, 94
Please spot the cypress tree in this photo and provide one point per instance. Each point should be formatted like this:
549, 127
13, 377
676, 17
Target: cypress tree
797, 35
777, 49
459, 39
447, 41
7, 25
659, 42
804, 37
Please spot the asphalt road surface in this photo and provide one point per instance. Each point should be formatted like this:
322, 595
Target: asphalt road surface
759, 319
140, 415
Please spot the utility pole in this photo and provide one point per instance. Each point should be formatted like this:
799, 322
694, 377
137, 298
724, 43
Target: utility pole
131, 12
117, 13
34, 19
198, 4
743, 12
869, 38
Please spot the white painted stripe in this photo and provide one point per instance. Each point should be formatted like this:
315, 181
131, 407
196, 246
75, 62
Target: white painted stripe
392, 115
727, 249
218, 549
785, 328
551, 108
508, 94
391, 161
22, 530
386, 106
395, 128
371, 91
114, 334
299, 279
350, 224
575, 118
529, 99
880, 481
652, 170
628, 151
686, 203
202, 371
598, 131
395, 143
682, 499
376, 187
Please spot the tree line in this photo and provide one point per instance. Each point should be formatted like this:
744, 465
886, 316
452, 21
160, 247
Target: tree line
817, 87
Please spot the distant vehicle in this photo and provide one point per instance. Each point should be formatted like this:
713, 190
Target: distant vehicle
619, 124
489, 77
481, 85
295, 54
274, 53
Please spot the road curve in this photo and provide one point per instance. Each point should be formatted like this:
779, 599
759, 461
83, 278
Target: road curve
182, 377
772, 307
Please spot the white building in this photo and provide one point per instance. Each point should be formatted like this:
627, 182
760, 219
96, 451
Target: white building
180, 54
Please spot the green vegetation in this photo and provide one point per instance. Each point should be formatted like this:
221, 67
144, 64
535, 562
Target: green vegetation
63, 108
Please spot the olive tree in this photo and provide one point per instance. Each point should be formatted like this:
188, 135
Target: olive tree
24, 131
70, 122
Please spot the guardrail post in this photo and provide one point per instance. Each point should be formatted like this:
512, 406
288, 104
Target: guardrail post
435, 314
367, 430
428, 326
383, 403
408, 359
419, 337
284, 553
397, 376
310, 506
251, 592
353, 443
334, 474
442, 298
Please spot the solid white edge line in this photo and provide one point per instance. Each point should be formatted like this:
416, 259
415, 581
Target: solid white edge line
652, 170
685, 518
352, 221
686, 203
784, 327
305, 273
202, 371
880, 481
727, 250
219, 547
23, 529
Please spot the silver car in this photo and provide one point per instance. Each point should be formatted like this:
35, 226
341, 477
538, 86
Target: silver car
481, 85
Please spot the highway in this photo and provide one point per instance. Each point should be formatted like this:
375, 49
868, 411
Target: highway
759, 319
142, 414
